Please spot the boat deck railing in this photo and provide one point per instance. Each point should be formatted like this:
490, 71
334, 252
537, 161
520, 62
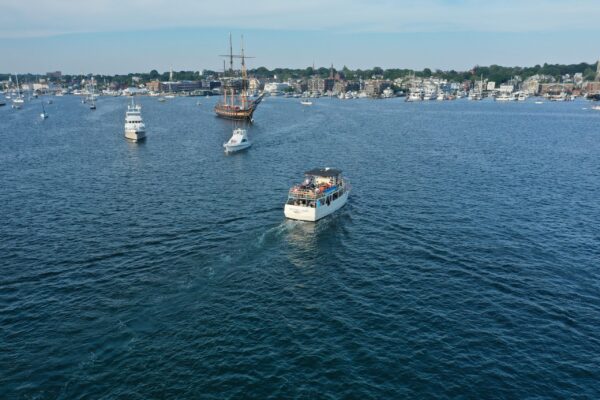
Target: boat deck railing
310, 194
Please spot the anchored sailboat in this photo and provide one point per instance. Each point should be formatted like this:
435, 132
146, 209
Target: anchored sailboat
18, 102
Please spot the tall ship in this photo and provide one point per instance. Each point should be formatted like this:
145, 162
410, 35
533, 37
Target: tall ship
323, 192
236, 102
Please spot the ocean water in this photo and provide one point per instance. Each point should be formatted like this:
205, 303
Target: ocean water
466, 263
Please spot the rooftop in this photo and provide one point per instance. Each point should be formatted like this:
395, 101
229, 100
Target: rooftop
327, 172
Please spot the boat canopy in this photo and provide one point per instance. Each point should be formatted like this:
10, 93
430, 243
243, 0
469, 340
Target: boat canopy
324, 172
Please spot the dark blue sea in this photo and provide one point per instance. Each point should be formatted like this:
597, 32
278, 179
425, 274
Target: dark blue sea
466, 263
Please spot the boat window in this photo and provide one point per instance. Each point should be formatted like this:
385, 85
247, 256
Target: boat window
244, 140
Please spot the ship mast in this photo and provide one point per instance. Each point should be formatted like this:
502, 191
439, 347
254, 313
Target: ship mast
244, 93
230, 56
229, 86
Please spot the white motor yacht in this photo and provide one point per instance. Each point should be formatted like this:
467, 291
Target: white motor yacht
416, 95
135, 129
504, 96
238, 141
323, 192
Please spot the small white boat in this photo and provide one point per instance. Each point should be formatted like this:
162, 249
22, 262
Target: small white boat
162, 99
135, 129
539, 102
306, 102
170, 96
18, 103
323, 192
238, 141
597, 108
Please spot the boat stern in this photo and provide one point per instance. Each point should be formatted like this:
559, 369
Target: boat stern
301, 213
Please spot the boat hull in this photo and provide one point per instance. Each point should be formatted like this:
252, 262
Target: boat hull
135, 135
235, 112
235, 148
231, 113
303, 213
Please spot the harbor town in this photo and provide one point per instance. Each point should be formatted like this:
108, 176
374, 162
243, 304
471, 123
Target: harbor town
477, 84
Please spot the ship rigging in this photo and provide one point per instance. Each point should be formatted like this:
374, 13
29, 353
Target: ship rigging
235, 103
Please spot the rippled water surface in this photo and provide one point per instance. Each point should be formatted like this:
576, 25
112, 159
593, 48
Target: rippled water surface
465, 264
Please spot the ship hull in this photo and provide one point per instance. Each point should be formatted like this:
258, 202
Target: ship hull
135, 135
228, 113
235, 112
303, 213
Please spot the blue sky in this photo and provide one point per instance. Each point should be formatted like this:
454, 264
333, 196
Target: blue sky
110, 36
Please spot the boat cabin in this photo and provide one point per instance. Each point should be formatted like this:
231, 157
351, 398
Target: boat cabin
320, 188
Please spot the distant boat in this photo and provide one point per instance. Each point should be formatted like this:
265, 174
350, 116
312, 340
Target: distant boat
18, 102
92, 97
305, 101
162, 99
2, 103
415, 95
44, 114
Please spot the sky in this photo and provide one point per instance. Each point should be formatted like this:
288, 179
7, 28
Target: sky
123, 36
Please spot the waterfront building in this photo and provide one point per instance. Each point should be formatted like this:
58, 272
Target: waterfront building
507, 88
177, 86
276, 87
556, 88
592, 87
153, 86
54, 75
531, 86
254, 85
375, 87
339, 87
316, 84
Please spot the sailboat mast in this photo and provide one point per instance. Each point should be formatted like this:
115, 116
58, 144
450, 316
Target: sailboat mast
18, 87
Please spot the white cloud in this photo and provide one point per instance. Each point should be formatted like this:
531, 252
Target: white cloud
26, 18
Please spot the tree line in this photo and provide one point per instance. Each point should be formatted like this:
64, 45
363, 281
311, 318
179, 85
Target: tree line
496, 73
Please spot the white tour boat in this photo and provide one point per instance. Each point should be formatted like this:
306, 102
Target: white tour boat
322, 192
134, 124
239, 141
